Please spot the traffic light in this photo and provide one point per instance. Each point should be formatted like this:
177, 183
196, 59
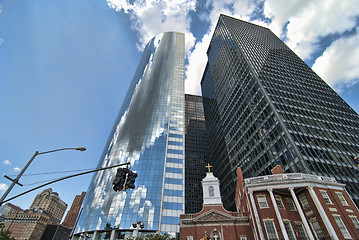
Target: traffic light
120, 179
130, 180
138, 224
205, 238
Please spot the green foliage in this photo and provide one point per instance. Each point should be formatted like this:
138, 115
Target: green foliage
108, 226
5, 234
108, 234
155, 237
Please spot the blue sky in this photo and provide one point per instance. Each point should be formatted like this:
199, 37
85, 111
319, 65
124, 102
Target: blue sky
65, 67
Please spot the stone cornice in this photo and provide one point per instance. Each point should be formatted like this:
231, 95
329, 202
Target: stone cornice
215, 217
290, 180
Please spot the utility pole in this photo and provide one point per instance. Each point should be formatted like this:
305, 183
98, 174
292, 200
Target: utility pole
63, 178
16, 180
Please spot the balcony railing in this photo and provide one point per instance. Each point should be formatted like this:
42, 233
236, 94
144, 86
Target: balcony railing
288, 176
235, 214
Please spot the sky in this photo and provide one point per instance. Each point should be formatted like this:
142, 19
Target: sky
65, 67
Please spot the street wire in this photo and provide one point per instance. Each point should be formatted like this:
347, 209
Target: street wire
63, 178
29, 184
46, 173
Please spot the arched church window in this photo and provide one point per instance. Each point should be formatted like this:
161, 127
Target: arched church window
211, 191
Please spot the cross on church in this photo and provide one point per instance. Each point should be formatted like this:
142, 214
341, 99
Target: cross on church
209, 167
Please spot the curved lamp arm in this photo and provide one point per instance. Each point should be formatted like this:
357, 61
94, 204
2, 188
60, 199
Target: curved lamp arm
16, 180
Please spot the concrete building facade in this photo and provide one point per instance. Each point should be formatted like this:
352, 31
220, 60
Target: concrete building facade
51, 203
7, 209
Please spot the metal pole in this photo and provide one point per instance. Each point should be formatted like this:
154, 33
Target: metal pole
222, 231
63, 178
60, 149
16, 180
222, 237
135, 232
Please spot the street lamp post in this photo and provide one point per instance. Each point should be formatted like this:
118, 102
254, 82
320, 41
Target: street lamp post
137, 226
84, 235
16, 180
222, 237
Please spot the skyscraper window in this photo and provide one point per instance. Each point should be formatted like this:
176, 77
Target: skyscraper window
148, 134
265, 107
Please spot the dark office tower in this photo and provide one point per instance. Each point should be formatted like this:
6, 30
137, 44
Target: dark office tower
148, 133
264, 106
196, 155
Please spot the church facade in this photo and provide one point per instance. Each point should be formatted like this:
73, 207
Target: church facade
213, 221
278, 206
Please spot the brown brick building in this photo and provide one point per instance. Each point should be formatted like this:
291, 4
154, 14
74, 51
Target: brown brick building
72, 214
298, 206
213, 220
279, 206
27, 225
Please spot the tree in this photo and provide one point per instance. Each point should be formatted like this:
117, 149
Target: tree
108, 234
5, 233
156, 237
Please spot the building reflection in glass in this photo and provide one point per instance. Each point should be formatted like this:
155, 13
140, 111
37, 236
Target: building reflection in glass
148, 133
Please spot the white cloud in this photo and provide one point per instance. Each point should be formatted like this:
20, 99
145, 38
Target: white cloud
237, 9
1, 41
339, 63
3, 186
17, 169
302, 23
150, 18
305, 23
198, 57
7, 162
309, 20
197, 63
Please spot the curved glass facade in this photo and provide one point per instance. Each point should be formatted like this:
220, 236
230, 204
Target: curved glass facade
148, 133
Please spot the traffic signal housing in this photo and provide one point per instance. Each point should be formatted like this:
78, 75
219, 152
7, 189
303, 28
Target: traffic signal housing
130, 180
120, 179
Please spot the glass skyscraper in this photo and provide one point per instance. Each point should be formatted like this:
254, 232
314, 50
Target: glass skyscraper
264, 106
148, 133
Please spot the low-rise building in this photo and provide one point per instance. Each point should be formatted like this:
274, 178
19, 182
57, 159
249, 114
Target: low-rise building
278, 206
47, 208
8, 208
298, 206
28, 224
213, 221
